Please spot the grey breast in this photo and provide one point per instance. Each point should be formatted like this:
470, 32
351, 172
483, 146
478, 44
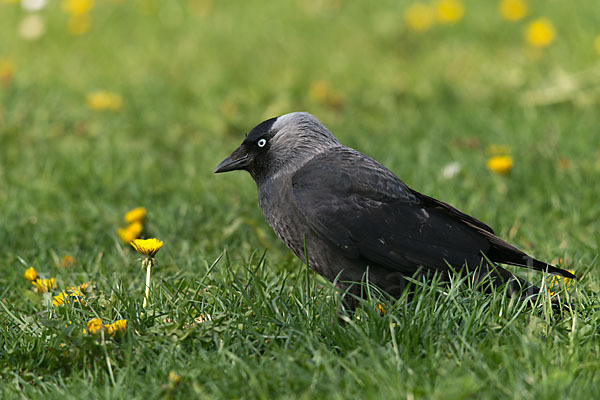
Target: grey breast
278, 207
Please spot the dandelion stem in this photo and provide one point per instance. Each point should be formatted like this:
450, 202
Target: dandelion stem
108, 364
148, 264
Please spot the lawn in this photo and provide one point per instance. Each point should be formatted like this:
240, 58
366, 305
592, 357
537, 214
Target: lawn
107, 106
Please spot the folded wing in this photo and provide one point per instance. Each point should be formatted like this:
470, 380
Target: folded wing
356, 204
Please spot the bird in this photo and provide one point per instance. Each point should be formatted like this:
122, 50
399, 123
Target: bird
351, 216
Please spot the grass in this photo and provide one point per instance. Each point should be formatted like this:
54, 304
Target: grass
192, 85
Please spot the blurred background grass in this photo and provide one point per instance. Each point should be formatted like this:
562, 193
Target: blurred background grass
109, 105
191, 77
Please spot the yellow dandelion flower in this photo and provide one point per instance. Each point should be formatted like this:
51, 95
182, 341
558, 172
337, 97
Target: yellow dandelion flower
104, 100
31, 274
135, 228
318, 90
136, 215
450, 11
80, 290
117, 326
500, 164
381, 309
83, 287
7, 70
66, 261
73, 293
94, 326
597, 44
147, 247
125, 235
419, 17
130, 233
77, 7
558, 281
513, 10
44, 285
540, 33
201, 318
60, 299
564, 163
174, 378
79, 24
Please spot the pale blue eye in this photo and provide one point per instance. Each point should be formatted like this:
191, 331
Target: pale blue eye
261, 142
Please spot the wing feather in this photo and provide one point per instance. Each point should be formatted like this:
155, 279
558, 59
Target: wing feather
356, 204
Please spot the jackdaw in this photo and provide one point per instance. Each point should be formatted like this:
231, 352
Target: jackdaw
351, 214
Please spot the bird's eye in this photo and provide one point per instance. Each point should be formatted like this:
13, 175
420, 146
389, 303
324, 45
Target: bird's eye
261, 142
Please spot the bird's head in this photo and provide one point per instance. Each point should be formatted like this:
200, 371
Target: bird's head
279, 145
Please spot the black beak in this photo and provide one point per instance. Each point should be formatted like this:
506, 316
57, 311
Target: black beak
239, 159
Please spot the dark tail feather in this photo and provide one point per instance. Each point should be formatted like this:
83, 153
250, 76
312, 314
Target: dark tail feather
504, 253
